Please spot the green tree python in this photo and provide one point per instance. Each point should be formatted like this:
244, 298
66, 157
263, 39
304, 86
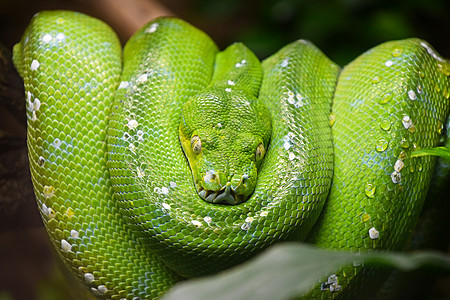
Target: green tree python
175, 160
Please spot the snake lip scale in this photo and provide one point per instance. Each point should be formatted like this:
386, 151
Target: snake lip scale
124, 203
226, 195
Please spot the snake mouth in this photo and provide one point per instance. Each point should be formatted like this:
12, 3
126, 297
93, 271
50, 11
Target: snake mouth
226, 195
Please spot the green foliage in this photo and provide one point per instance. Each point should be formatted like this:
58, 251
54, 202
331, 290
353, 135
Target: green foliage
291, 269
443, 152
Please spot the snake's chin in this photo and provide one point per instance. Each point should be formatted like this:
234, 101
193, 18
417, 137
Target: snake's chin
226, 195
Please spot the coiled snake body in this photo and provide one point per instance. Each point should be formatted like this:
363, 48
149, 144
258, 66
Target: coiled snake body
212, 156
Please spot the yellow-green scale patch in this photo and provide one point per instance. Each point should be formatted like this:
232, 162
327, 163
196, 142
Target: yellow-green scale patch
70, 73
388, 102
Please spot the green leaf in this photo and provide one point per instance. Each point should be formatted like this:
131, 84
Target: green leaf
291, 269
443, 152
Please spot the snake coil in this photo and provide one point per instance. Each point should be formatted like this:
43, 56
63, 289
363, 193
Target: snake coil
125, 147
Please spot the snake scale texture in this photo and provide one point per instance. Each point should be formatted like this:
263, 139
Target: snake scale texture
172, 159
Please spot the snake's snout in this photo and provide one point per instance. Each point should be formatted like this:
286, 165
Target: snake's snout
217, 190
226, 195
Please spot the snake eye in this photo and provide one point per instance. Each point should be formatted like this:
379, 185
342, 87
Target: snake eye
260, 151
196, 144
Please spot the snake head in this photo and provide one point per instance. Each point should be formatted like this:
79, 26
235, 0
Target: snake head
224, 137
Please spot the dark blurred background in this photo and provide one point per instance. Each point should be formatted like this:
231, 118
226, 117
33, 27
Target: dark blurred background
342, 29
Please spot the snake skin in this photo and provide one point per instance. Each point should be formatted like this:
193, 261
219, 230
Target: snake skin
116, 192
